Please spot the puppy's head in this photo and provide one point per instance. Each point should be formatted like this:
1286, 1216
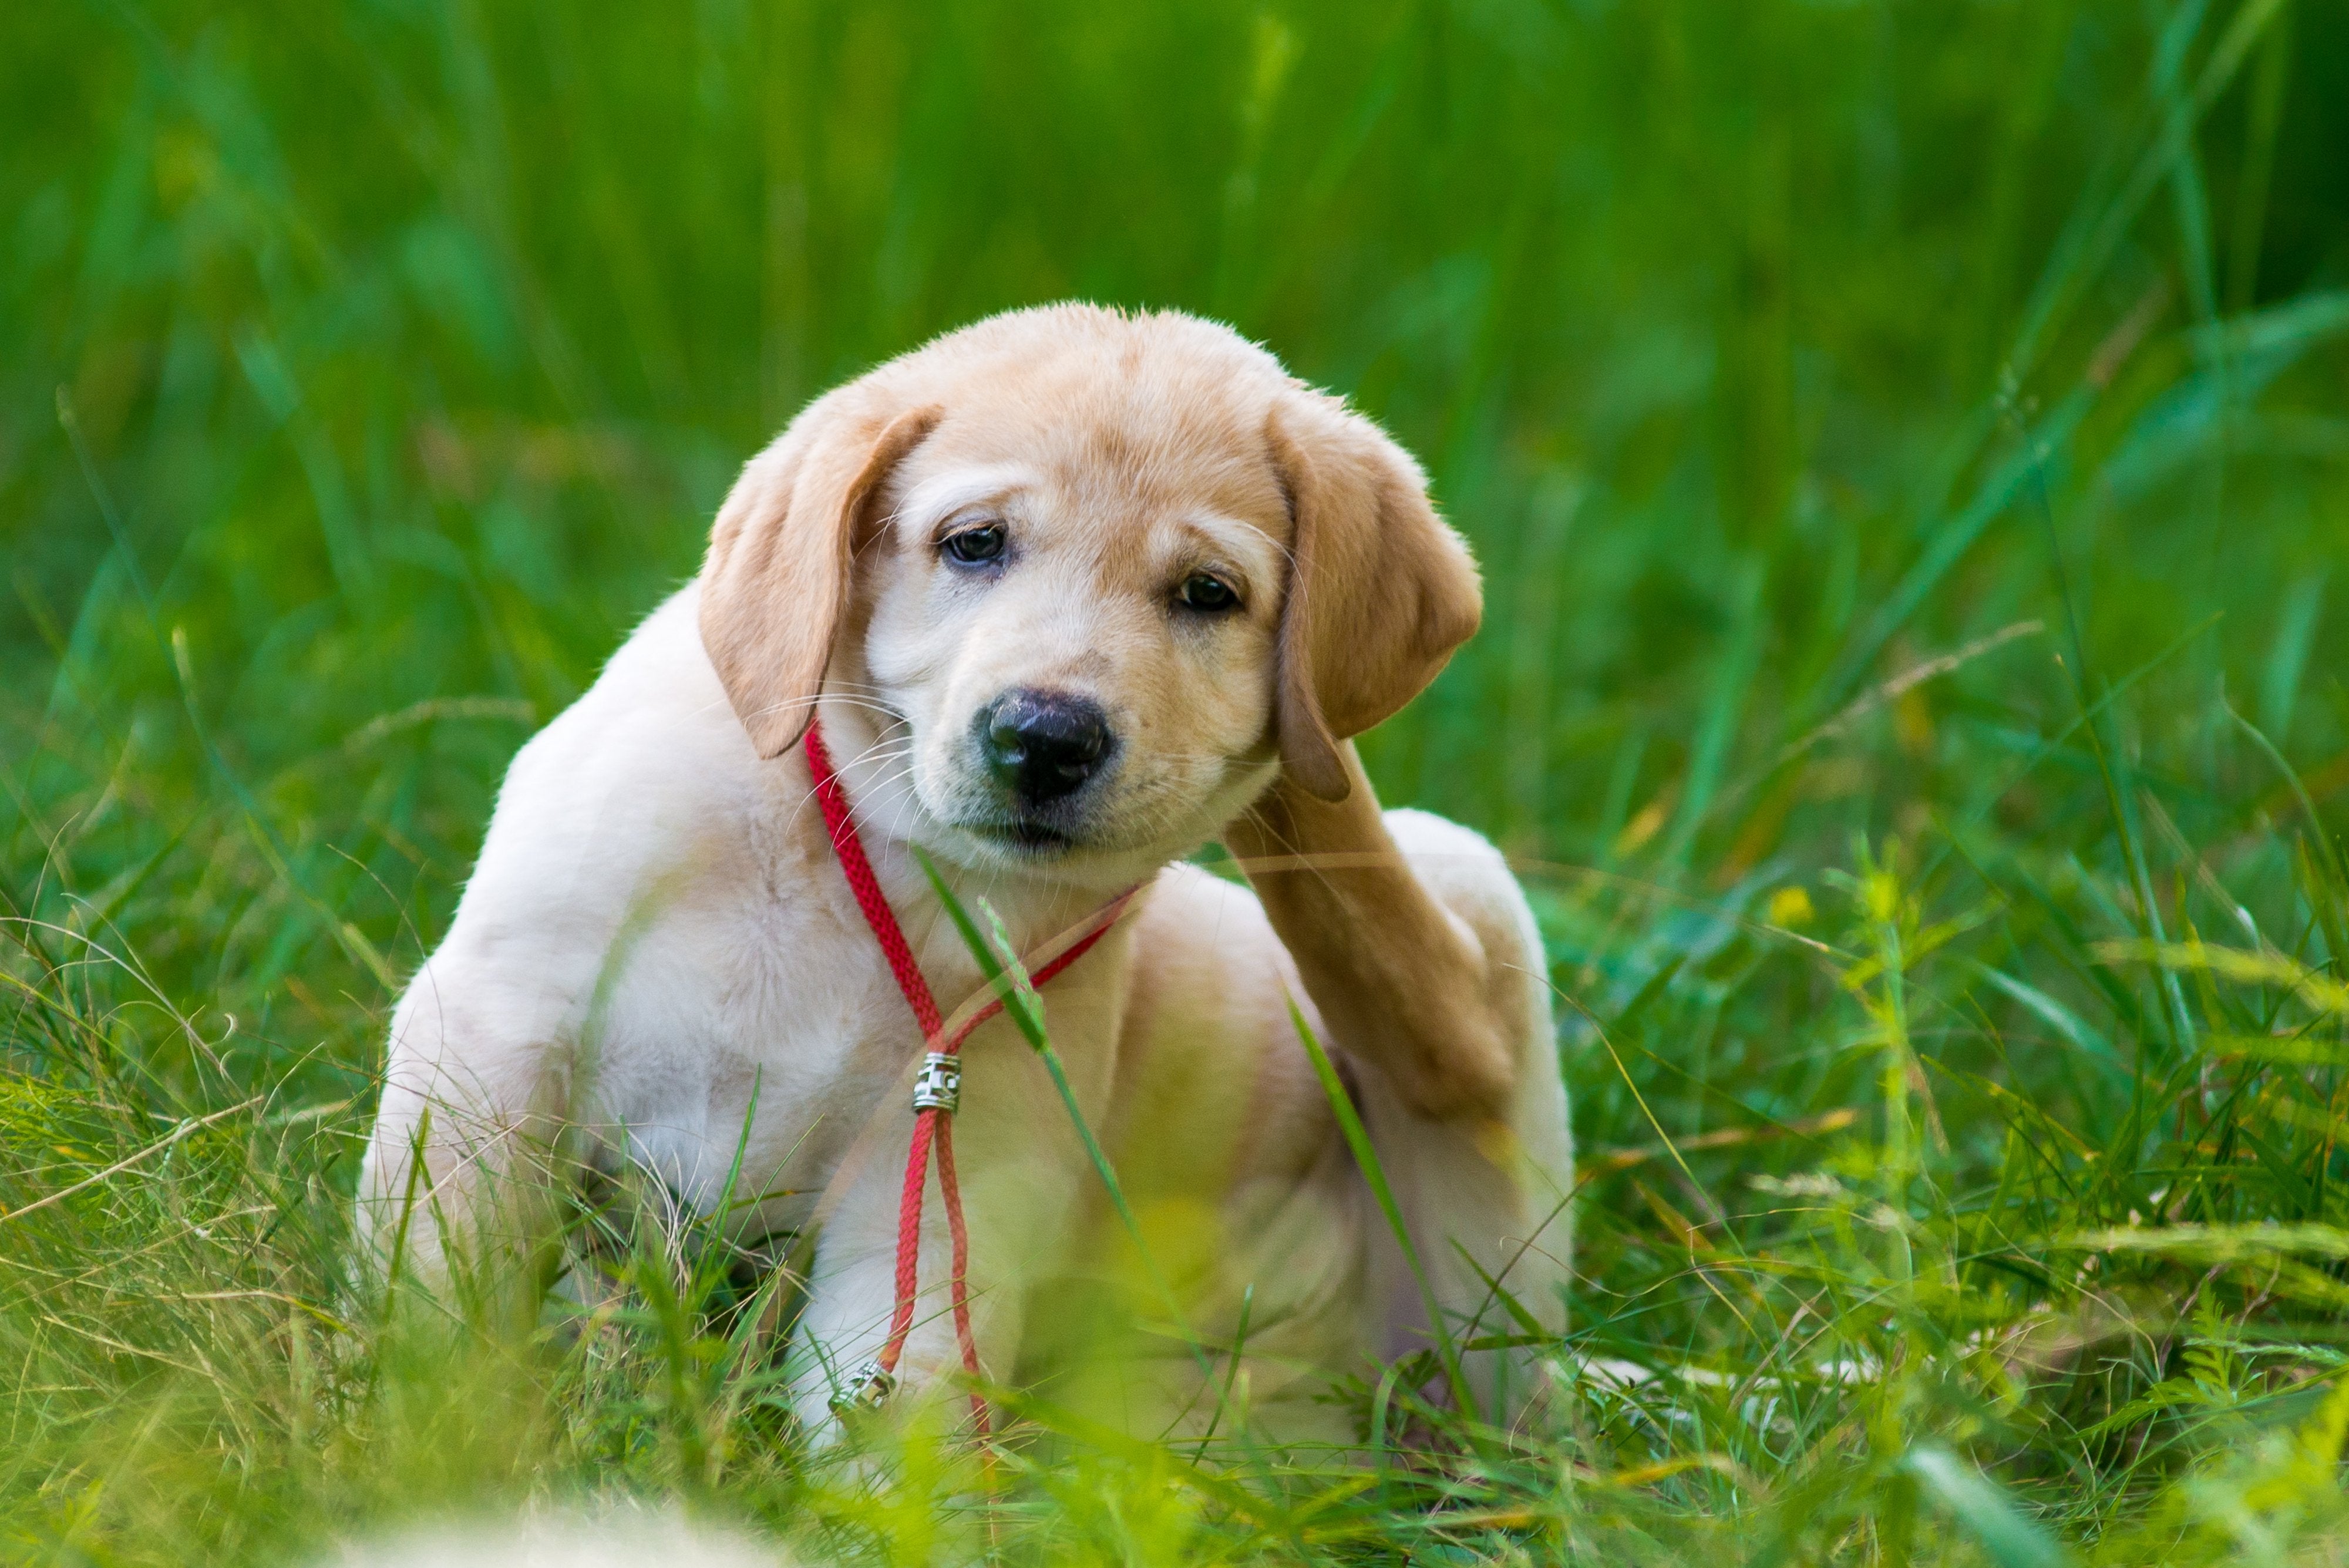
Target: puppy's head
1083, 582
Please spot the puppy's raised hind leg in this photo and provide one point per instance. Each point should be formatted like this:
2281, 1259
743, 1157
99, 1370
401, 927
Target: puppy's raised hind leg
1421, 955
1404, 980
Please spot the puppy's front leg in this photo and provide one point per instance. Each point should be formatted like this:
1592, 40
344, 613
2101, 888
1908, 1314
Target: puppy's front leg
851, 1295
476, 1082
1021, 1170
1402, 980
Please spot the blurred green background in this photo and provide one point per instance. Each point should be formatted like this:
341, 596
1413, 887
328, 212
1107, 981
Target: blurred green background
419, 341
1881, 422
415, 343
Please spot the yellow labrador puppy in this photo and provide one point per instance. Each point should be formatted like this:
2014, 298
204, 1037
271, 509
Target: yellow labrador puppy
1070, 592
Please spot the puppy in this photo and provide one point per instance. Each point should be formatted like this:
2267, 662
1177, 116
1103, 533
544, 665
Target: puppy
1070, 593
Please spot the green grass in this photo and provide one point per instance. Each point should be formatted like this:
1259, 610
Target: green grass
1907, 446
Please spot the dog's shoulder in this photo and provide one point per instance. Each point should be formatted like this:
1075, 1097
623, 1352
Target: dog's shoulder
647, 776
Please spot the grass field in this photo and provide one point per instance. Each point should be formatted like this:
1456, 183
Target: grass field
1909, 445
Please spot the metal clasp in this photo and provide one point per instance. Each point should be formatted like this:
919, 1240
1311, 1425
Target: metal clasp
938, 1086
867, 1388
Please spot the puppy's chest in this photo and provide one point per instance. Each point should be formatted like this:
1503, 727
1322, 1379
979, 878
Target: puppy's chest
737, 1026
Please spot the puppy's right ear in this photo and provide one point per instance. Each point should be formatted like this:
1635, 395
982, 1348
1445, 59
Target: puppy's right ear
777, 578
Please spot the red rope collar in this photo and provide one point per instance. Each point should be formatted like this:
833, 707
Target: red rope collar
935, 1093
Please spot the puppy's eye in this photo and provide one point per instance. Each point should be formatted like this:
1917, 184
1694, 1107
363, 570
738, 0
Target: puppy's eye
976, 546
1206, 593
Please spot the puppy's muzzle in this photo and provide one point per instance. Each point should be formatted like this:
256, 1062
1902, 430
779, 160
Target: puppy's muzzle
1041, 746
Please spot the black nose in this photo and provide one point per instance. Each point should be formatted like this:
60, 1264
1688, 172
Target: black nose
1041, 745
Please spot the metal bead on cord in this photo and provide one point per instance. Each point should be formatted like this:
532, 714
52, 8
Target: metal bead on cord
938, 1086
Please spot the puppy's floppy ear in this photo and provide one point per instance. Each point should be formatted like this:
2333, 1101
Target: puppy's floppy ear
1380, 590
776, 577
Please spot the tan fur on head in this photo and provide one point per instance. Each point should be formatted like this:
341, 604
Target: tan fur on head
1379, 593
1382, 590
781, 553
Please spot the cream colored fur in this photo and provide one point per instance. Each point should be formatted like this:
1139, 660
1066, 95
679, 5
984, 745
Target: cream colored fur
623, 1537
657, 951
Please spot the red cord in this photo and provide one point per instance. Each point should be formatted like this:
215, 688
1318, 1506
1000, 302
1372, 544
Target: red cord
930, 1125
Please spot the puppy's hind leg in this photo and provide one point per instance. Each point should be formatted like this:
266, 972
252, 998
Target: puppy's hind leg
1486, 1199
1418, 947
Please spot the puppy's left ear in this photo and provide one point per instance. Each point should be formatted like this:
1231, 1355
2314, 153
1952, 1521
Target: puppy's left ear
778, 575
1380, 590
